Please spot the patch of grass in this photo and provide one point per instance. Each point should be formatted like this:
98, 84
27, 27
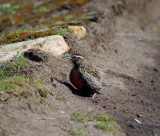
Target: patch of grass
38, 83
76, 132
78, 117
102, 121
60, 97
106, 127
10, 80
10, 83
104, 118
17, 83
10, 68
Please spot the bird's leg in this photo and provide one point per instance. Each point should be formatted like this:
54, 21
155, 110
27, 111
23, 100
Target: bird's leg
94, 95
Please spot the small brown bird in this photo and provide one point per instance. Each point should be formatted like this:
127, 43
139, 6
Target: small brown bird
84, 77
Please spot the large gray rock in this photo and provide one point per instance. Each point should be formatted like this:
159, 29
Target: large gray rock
54, 45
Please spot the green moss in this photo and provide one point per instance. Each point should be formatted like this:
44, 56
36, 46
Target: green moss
76, 132
61, 31
22, 34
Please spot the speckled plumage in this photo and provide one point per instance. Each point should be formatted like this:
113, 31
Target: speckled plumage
84, 77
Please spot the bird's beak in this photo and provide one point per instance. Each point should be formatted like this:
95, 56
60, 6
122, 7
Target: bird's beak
68, 57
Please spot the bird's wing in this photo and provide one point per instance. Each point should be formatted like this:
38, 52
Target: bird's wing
91, 77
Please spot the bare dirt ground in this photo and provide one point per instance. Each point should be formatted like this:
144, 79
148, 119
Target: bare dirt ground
124, 46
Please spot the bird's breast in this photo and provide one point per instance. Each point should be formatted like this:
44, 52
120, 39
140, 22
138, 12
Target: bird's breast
75, 79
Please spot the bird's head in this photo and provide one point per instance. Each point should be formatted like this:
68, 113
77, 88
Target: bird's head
77, 59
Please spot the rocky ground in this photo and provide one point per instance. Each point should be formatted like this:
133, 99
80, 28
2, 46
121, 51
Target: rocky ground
122, 41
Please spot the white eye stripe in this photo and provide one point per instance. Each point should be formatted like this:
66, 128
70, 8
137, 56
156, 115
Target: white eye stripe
79, 57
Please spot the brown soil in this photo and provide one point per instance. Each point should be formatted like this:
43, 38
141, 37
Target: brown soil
125, 48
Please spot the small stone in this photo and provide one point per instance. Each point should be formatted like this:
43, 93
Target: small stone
139, 122
62, 112
79, 31
4, 96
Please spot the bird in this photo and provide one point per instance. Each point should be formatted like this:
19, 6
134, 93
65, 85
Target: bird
84, 77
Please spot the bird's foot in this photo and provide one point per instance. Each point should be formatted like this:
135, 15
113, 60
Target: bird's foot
94, 95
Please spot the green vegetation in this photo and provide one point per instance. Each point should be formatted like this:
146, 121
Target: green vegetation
105, 118
157, 29
7, 8
12, 9
16, 85
105, 126
18, 31
60, 97
11, 68
76, 132
41, 9
21, 24
103, 121
8, 42
22, 34
9, 83
78, 117
70, 17
38, 83
13, 81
